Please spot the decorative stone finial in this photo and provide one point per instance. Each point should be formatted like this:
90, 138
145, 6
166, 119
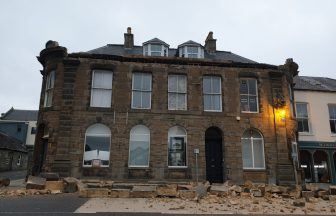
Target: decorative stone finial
51, 44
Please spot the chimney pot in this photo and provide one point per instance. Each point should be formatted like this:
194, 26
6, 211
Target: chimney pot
129, 39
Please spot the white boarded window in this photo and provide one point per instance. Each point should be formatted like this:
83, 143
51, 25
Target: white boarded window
97, 146
253, 150
249, 95
141, 90
139, 146
212, 93
48, 95
177, 92
177, 147
101, 91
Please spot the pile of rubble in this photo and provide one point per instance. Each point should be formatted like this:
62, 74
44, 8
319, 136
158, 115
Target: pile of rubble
52, 184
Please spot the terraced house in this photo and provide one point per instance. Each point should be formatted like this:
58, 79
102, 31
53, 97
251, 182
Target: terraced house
156, 113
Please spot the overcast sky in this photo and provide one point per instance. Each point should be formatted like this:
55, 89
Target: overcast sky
262, 30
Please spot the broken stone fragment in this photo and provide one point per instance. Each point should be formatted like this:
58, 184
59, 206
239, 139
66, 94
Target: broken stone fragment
50, 176
332, 189
299, 203
184, 187
322, 193
96, 192
54, 185
187, 194
307, 194
4, 182
201, 191
236, 188
144, 192
256, 193
70, 184
248, 184
169, 190
119, 193
220, 190
34, 182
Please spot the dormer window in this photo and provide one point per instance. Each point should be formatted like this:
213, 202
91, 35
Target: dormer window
155, 47
191, 49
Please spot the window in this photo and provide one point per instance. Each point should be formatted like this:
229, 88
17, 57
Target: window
18, 129
177, 92
139, 146
248, 95
155, 50
97, 146
302, 117
332, 118
192, 52
212, 96
33, 130
177, 139
19, 160
49, 89
253, 150
141, 91
101, 91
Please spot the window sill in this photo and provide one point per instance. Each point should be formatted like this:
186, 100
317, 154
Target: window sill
211, 111
254, 169
305, 134
101, 109
177, 167
138, 167
97, 167
333, 135
246, 112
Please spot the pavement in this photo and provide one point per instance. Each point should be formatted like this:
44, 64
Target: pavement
71, 204
14, 175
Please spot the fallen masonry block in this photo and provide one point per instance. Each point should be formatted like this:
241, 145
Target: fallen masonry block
236, 188
307, 194
187, 194
169, 190
322, 193
50, 176
248, 184
332, 198
54, 185
332, 189
96, 192
34, 182
256, 193
299, 203
4, 182
70, 184
119, 193
184, 187
220, 190
143, 192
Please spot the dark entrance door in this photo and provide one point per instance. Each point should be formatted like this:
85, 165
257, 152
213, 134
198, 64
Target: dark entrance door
214, 155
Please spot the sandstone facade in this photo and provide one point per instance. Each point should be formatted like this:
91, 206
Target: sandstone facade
62, 126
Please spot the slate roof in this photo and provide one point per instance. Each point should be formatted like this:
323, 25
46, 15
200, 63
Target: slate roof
20, 115
156, 41
10, 143
119, 50
315, 83
190, 42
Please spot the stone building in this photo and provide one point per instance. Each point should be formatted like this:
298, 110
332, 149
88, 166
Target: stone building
146, 112
315, 100
13, 153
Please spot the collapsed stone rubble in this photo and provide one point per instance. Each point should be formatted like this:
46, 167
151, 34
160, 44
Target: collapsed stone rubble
250, 196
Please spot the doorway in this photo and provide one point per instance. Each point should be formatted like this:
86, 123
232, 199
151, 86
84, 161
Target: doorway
214, 155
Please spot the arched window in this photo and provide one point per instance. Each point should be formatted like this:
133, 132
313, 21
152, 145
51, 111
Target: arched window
97, 146
253, 150
139, 146
177, 147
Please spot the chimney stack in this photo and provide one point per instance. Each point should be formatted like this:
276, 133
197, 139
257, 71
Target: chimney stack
129, 39
210, 43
